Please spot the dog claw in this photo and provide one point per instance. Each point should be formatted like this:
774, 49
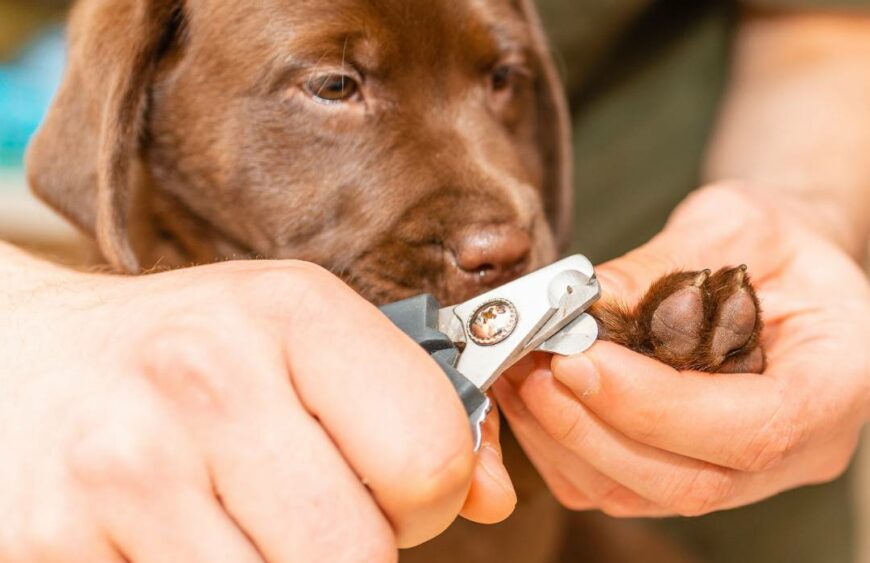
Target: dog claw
740, 275
702, 278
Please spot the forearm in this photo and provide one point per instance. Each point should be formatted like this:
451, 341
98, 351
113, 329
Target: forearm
796, 119
15, 262
21, 273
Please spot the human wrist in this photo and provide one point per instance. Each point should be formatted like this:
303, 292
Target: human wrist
24, 274
718, 210
829, 218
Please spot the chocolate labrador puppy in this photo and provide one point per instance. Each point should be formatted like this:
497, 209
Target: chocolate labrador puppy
407, 146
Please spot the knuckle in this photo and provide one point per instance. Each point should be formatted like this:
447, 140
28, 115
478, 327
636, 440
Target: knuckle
116, 455
46, 522
298, 293
438, 477
189, 365
442, 463
301, 278
834, 469
47, 537
267, 283
838, 463
705, 491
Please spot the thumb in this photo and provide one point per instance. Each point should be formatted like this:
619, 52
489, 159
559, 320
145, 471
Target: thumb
627, 278
717, 226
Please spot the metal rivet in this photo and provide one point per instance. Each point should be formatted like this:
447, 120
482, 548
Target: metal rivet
492, 322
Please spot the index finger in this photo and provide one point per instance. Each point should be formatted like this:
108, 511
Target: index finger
741, 421
387, 406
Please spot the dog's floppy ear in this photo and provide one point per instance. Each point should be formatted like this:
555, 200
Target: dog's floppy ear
80, 161
555, 132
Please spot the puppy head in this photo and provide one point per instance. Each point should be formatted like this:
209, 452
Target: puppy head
407, 146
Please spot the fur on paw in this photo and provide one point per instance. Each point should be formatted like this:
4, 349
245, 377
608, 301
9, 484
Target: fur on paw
692, 321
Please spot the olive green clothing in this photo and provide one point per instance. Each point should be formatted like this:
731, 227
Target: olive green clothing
644, 80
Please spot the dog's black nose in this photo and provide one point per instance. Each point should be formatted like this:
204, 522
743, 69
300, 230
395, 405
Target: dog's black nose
494, 252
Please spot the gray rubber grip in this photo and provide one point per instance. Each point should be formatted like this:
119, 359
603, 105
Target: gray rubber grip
418, 318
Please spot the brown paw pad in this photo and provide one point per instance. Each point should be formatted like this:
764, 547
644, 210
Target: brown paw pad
693, 320
737, 316
677, 320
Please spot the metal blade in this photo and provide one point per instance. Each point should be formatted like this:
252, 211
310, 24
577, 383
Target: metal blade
574, 339
576, 300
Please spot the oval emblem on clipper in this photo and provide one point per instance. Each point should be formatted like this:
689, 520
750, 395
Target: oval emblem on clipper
492, 322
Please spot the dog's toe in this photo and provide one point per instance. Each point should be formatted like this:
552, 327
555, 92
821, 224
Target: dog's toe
736, 322
693, 320
676, 323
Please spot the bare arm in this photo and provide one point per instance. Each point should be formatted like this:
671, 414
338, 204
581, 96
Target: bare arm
797, 118
16, 269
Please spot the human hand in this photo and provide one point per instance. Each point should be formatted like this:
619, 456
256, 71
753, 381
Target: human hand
620, 432
235, 412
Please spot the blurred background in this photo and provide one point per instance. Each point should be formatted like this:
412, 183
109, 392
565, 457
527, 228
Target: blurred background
31, 63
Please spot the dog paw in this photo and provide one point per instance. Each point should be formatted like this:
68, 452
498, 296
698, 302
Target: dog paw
692, 321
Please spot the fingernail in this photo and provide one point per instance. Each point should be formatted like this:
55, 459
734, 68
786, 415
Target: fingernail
579, 373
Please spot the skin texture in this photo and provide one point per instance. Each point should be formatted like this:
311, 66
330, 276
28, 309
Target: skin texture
147, 443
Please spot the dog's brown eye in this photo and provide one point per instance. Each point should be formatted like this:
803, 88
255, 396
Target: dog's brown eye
332, 88
506, 76
503, 77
